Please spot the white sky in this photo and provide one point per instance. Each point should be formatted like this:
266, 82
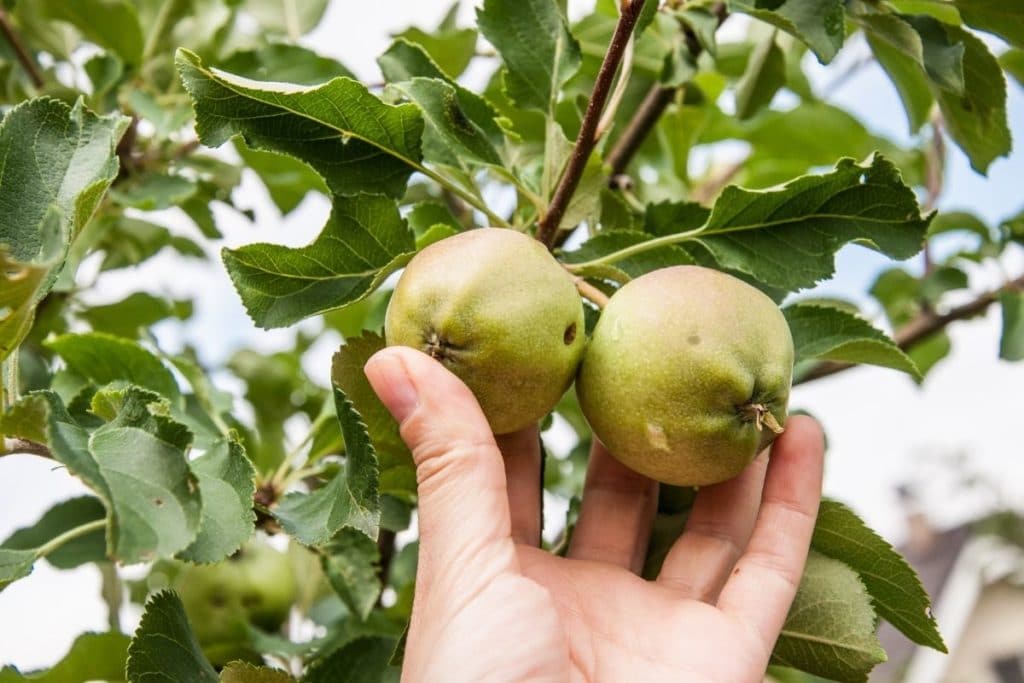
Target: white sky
883, 430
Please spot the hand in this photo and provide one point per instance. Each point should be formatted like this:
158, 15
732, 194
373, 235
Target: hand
491, 606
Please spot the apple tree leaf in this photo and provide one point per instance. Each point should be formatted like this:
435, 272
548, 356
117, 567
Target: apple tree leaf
164, 648
393, 455
764, 76
105, 358
362, 660
119, 31
244, 672
62, 517
92, 657
355, 141
830, 628
226, 484
350, 562
1011, 343
994, 16
349, 499
826, 332
895, 589
818, 23
21, 286
365, 240
539, 52
287, 179
14, 565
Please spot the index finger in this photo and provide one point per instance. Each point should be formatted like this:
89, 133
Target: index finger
764, 581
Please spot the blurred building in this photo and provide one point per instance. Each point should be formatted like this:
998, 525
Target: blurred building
975, 575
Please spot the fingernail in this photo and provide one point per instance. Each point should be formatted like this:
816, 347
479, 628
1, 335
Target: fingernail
390, 379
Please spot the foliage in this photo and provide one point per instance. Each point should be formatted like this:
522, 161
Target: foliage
111, 126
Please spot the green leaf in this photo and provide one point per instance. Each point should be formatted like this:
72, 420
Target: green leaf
355, 141
243, 672
164, 648
977, 119
285, 63
14, 565
830, 629
450, 47
828, 333
347, 374
118, 31
1012, 62
818, 23
788, 237
365, 240
350, 562
942, 55
764, 76
994, 16
1011, 343
292, 19
895, 589
363, 660
26, 419
65, 516
137, 311
129, 241
614, 241
105, 358
58, 162
154, 191
92, 657
450, 136
908, 78
404, 61
535, 44
287, 179
21, 286
350, 499
227, 485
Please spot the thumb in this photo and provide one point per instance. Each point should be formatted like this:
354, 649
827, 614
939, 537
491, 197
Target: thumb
463, 500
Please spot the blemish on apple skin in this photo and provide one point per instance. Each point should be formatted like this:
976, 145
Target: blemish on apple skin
656, 437
693, 339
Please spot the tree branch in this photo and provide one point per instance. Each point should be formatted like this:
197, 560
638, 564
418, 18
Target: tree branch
590, 292
13, 446
547, 227
24, 56
650, 110
921, 327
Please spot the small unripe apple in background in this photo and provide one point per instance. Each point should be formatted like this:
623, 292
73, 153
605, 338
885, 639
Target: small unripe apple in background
687, 376
496, 308
255, 585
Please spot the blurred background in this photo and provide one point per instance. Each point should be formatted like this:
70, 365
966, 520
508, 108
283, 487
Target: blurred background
929, 466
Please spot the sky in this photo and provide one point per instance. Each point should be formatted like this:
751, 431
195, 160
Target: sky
884, 431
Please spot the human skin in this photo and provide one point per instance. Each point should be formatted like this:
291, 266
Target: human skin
490, 605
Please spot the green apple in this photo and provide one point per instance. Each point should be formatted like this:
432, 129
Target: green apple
499, 311
254, 586
687, 376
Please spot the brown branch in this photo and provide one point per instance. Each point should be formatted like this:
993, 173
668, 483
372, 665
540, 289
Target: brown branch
24, 56
14, 446
921, 327
547, 227
653, 106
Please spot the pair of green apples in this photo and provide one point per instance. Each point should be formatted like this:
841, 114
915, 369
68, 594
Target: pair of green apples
685, 378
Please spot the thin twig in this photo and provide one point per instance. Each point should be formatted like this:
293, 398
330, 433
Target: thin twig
13, 446
935, 171
386, 547
591, 293
711, 187
22, 53
921, 327
547, 227
650, 110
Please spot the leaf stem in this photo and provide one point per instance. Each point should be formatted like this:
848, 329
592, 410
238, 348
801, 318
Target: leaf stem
591, 293
548, 225
69, 535
157, 30
921, 327
650, 110
11, 388
280, 475
465, 196
633, 250
20, 51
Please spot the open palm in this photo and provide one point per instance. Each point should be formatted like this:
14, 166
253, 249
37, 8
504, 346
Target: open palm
491, 606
